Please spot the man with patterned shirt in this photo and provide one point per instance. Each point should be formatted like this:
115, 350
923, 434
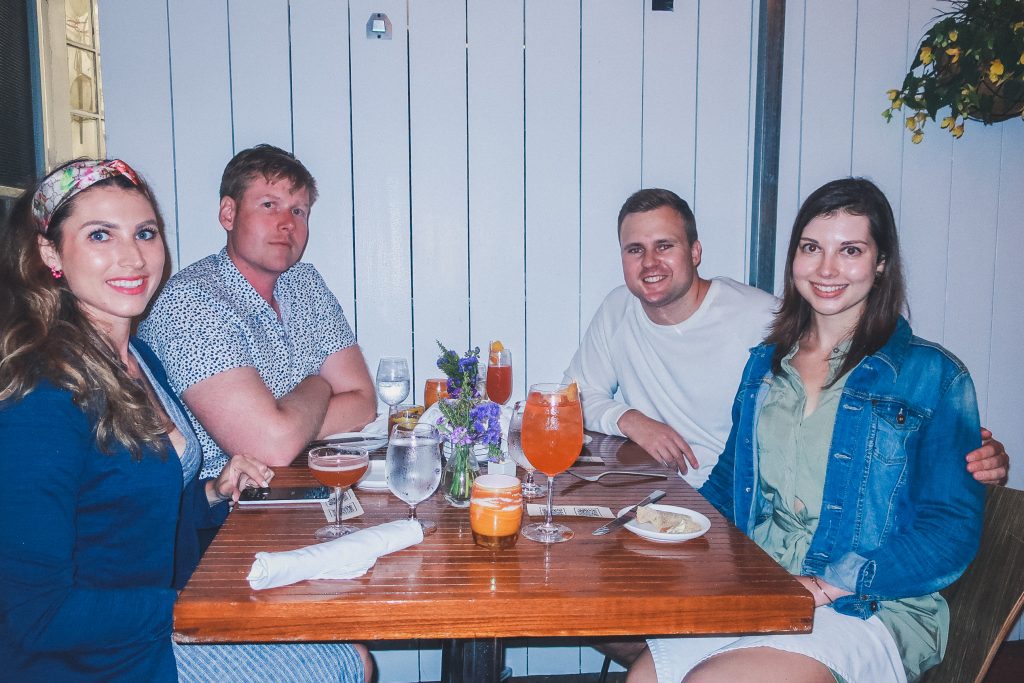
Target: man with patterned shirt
253, 341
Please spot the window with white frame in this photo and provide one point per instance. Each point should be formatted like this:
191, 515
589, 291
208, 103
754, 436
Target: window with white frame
70, 78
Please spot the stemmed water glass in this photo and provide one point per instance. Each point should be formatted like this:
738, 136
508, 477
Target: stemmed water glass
552, 439
412, 466
393, 381
531, 489
340, 467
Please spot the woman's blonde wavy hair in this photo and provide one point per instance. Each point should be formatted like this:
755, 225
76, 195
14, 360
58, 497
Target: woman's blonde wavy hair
45, 336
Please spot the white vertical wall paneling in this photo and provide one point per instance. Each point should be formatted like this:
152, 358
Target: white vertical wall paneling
138, 110
201, 91
721, 198
260, 87
440, 237
611, 75
973, 212
1006, 370
925, 206
789, 138
552, 189
380, 152
670, 98
320, 111
829, 66
881, 49
495, 91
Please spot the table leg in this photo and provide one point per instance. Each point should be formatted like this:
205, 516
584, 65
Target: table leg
475, 660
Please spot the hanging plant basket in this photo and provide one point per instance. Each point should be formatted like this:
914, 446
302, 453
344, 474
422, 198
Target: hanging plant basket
969, 66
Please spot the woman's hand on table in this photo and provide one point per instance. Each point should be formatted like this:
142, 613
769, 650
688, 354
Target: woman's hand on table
239, 473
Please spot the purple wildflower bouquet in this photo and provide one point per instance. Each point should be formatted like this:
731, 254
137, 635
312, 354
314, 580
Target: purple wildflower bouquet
466, 419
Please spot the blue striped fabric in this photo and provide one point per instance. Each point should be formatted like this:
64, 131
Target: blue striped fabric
269, 663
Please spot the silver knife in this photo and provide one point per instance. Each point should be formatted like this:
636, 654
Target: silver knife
629, 514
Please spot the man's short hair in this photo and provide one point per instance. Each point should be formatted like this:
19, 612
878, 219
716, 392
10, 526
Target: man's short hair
273, 163
653, 198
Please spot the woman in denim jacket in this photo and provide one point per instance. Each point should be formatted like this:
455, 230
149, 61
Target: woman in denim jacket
844, 463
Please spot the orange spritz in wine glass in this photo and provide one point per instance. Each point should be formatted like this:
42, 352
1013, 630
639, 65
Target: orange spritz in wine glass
552, 440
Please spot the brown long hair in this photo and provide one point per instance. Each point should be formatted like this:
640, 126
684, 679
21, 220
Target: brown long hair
45, 336
887, 299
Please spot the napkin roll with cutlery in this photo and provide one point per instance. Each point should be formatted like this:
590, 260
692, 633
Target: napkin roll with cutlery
343, 558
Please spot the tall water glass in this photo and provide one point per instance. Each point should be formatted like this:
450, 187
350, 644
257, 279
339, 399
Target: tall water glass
552, 440
340, 467
393, 381
412, 466
531, 489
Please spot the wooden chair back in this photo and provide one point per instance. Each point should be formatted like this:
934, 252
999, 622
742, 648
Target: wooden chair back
986, 601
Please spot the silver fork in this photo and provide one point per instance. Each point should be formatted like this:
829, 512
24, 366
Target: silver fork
652, 475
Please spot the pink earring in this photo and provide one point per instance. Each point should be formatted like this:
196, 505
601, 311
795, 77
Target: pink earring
56, 272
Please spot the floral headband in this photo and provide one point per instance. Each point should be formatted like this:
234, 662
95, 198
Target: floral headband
61, 186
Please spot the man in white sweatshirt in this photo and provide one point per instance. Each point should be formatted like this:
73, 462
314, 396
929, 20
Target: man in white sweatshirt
662, 358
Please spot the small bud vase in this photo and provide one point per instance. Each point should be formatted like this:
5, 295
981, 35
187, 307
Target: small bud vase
459, 472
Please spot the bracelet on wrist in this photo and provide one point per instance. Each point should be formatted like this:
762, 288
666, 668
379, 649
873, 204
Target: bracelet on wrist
817, 583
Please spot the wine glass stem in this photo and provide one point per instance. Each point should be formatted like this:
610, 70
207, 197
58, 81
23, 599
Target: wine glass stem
412, 513
339, 493
551, 495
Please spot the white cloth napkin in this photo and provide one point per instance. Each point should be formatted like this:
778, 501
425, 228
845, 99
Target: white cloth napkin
343, 558
377, 427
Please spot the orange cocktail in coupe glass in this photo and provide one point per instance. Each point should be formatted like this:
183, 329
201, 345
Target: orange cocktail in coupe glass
552, 440
340, 467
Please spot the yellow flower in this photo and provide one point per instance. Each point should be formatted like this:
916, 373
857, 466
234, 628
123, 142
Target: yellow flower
897, 104
1019, 26
995, 70
925, 55
911, 122
957, 131
892, 94
920, 116
917, 137
954, 52
953, 35
948, 122
1021, 60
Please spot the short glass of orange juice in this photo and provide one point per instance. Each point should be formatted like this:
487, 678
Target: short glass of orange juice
434, 389
496, 511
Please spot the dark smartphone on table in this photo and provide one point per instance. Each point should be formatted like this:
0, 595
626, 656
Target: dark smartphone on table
284, 495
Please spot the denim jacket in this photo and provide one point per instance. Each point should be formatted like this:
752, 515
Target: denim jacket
900, 514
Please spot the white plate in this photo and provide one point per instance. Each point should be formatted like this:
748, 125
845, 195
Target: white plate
651, 534
374, 479
368, 441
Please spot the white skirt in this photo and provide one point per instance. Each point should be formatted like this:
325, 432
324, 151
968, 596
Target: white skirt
858, 650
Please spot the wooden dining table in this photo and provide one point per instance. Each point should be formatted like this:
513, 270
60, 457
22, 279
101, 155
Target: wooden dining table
448, 588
